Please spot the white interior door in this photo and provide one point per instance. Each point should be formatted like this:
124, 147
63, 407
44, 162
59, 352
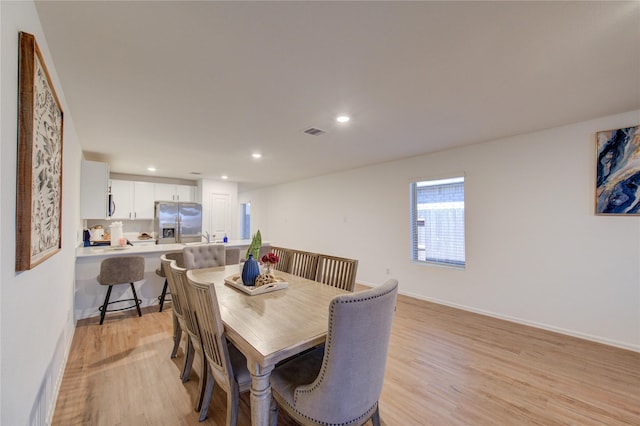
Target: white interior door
220, 220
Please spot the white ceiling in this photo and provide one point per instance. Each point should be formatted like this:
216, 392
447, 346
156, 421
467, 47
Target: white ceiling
199, 86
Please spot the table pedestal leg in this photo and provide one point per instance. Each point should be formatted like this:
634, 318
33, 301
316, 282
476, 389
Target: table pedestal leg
260, 393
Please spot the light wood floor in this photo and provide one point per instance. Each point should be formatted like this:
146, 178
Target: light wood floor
445, 367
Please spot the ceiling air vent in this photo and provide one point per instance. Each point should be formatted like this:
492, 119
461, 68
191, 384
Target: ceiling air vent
314, 132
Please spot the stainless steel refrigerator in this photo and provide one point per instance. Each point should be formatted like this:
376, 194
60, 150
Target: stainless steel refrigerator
178, 222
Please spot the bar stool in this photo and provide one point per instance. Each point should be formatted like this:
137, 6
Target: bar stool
179, 258
121, 270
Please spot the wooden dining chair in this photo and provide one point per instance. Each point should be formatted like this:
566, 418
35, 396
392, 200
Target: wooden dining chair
340, 383
194, 344
337, 271
227, 366
204, 256
177, 302
284, 256
303, 264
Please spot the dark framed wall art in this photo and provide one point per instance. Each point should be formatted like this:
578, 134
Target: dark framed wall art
39, 165
618, 171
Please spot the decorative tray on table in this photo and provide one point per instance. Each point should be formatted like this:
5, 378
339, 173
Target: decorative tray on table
236, 282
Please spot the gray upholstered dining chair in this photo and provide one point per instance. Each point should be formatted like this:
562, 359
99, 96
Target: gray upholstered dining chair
337, 271
177, 302
204, 256
340, 383
120, 270
227, 366
179, 258
194, 343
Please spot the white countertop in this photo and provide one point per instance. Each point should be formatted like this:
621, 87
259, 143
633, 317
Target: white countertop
143, 249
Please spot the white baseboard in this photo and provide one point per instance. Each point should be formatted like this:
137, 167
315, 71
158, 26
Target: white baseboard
572, 333
53, 397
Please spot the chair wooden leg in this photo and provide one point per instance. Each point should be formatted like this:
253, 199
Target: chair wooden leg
135, 297
233, 399
176, 324
163, 295
188, 361
274, 412
208, 395
203, 381
375, 419
103, 310
177, 335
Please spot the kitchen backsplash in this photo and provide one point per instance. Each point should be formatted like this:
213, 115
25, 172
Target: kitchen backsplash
128, 226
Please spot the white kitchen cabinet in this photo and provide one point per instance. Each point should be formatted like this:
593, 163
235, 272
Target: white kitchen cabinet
94, 187
186, 193
172, 192
121, 199
143, 200
164, 192
132, 200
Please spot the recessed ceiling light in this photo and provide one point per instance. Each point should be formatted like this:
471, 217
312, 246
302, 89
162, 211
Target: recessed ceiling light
225, 177
256, 155
343, 118
151, 169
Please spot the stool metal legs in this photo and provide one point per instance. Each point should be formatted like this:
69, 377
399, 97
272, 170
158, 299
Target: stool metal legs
103, 309
163, 295
135, 298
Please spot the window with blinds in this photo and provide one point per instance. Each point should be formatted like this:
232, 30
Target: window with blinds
437, 222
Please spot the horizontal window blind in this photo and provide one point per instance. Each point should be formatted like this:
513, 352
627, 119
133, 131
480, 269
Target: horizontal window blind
437, 221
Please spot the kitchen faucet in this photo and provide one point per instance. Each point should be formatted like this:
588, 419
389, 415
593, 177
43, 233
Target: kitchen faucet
208, 236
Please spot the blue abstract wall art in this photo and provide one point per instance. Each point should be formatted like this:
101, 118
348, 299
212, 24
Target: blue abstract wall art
618, 171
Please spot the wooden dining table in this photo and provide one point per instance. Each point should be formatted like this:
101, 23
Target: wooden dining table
271, 327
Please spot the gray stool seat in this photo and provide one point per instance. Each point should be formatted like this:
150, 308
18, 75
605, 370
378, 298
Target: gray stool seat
121, 270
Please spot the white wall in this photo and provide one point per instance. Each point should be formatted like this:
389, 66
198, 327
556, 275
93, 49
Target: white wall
36, 306
535, 251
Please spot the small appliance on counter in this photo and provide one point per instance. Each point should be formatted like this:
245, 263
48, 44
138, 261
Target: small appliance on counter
97, 236
97, 233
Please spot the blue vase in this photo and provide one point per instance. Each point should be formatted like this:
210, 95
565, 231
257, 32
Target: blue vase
250, 271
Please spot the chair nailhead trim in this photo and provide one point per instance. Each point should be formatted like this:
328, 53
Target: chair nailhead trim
323, 369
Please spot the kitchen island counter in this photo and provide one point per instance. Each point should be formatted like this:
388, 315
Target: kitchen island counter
104, 251
89, 294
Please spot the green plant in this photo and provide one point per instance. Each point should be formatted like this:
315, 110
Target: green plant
254, 247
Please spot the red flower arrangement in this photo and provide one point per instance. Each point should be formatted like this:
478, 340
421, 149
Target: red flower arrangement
270, 259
